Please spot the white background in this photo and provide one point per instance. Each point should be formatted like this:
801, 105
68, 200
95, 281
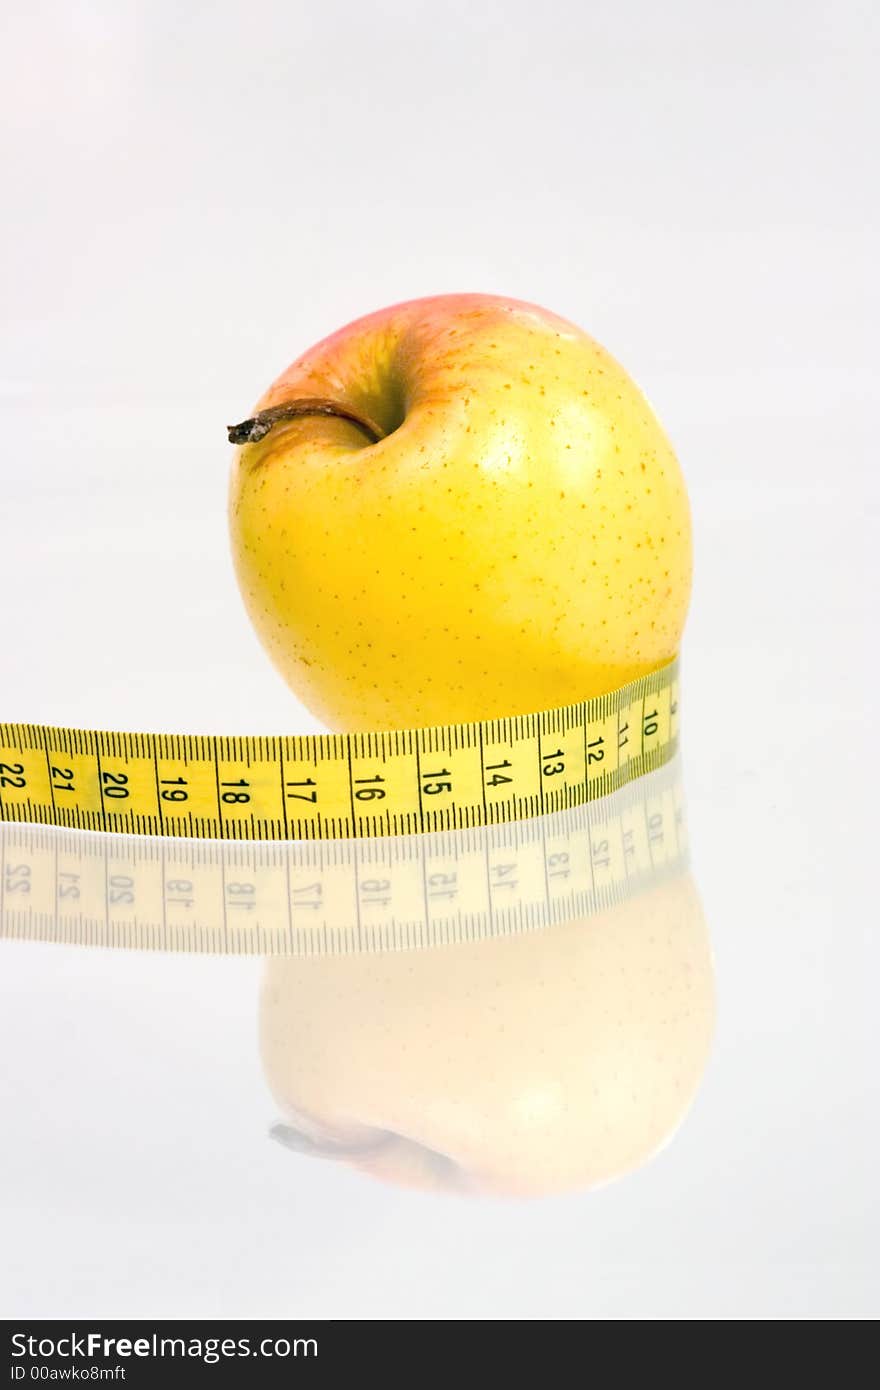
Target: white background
192, 195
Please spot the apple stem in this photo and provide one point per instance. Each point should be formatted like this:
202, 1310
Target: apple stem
258, 426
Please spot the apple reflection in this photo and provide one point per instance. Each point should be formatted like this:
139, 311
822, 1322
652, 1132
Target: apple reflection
519, 1065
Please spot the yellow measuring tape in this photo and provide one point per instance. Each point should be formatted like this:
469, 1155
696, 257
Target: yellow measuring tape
339, 786
343, 896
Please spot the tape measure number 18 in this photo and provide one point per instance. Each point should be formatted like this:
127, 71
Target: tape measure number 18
339, 786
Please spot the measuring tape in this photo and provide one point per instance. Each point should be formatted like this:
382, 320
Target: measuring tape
339, 786
336, 897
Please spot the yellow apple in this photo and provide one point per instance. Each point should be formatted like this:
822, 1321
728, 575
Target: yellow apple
519, 1065
457, 508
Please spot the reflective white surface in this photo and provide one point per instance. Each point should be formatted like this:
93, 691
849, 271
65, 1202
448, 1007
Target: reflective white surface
517, 1011
197, 199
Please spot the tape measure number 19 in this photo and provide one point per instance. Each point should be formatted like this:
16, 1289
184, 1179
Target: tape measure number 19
339, 786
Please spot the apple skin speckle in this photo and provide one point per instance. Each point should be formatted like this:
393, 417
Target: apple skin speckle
508, 546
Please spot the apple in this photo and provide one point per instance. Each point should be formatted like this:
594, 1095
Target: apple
457, 508
519, 1066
